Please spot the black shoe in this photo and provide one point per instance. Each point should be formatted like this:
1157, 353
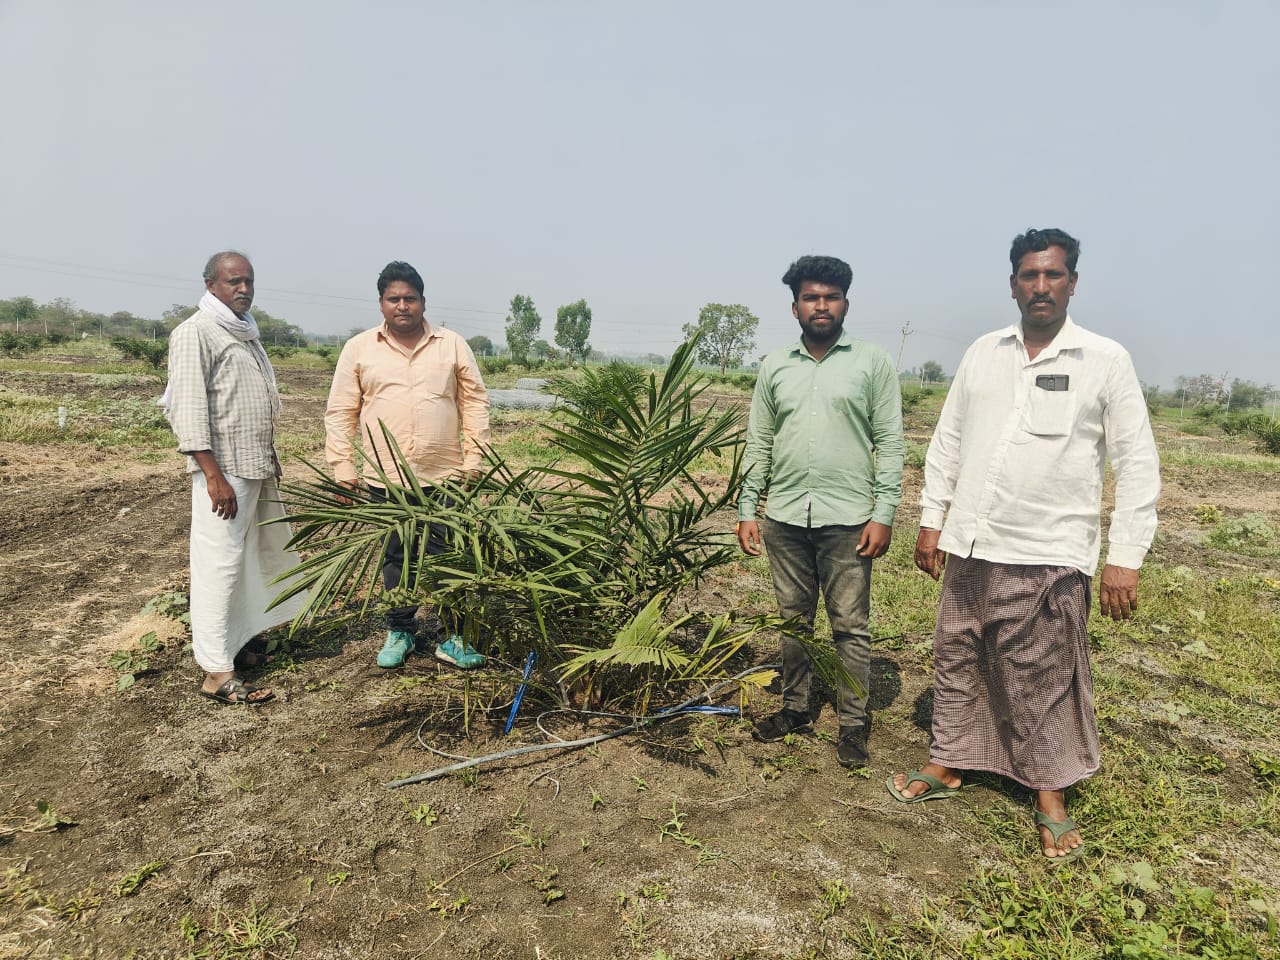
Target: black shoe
774, 728
851, 751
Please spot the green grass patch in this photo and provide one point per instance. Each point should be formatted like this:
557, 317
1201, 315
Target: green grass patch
100, 420
1238, 462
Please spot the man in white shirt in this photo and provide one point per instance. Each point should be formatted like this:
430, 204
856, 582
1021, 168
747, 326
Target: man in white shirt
1012, 495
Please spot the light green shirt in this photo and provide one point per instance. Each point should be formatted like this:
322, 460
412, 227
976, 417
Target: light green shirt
825, 437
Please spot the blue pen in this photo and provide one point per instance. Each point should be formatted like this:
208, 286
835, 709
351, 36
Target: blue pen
524, 684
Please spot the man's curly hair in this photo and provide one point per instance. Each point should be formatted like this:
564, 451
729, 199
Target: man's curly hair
830, 270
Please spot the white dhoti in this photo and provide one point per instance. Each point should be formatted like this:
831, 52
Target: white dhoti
232, 565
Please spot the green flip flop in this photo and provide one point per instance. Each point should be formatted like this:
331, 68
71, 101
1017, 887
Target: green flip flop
1056, 829
937, 789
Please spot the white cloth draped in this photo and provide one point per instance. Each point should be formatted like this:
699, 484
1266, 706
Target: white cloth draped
232, 565
243, 327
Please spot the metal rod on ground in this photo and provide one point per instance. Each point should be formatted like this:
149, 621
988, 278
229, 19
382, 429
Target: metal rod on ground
639, 724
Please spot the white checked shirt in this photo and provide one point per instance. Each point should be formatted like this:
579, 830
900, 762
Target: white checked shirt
1017, 470
220, 400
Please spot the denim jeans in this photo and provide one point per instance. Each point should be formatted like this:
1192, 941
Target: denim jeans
402, 618
803, 560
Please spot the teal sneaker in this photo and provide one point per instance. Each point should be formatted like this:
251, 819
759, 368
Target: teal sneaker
398, 646
456, 651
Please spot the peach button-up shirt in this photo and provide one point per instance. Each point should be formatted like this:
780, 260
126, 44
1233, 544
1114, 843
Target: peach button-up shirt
430, 397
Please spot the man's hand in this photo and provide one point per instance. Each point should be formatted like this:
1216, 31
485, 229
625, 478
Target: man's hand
221, 495
1118, 598
874, 541
350, 485
749, 537
928, 557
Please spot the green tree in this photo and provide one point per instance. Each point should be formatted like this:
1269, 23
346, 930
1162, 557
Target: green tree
176, 314
276, 329
931, 372
481, 346
22, 310
544, 351
522, 327
728, 332
1247, 395
573, 326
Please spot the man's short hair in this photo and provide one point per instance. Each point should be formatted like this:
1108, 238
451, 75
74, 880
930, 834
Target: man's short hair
830, 270
211, 265
397, 271
1036, 241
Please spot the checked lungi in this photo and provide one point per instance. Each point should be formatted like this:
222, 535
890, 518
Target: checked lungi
1013, 692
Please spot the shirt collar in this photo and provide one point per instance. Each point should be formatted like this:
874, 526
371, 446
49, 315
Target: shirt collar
1068, 337
384, 333
845, 342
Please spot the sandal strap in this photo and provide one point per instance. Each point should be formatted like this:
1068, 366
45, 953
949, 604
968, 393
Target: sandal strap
933, 782
1056, 828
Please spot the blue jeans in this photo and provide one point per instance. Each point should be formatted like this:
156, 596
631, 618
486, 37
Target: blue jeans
804, 560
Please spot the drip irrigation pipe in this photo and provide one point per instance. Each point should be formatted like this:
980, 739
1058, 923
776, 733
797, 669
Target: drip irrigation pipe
638, 724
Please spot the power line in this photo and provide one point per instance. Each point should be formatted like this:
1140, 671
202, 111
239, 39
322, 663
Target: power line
116, 275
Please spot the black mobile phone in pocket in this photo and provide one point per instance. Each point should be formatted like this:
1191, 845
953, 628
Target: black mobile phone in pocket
1053, 381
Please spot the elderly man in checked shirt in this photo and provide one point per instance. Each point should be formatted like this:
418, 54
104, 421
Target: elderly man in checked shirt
1012, 495
423, 384
825, 437
222, 403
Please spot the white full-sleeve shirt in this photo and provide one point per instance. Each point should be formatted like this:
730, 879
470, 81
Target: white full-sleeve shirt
1014, 471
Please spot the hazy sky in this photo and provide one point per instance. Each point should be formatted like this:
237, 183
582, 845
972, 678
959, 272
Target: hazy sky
653, 157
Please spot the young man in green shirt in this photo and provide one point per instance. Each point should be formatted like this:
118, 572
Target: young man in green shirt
825, 439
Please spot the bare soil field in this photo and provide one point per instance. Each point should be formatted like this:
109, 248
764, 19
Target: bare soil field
169, 827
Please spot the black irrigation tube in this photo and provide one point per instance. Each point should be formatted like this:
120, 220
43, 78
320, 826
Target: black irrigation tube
639, 724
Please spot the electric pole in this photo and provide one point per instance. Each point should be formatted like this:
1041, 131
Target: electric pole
906, 332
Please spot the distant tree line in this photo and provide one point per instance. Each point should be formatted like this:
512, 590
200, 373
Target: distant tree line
61, 319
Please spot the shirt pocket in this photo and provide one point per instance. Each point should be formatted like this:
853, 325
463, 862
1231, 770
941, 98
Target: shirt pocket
435, 379
1050, 413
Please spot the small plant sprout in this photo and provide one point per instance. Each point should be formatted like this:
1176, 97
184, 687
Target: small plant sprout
131, 883
49, 819
423, 813
134, 660
835, 895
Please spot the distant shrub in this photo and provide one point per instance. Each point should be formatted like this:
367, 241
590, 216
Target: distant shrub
912, 397
1265, 433
1206, 411
326, 353
154, 352
913, 455
20, 344
743, 381
597, 390
278, 351
1234, 424
492, 365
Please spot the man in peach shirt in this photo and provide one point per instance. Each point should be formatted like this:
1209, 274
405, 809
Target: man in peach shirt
423, 384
